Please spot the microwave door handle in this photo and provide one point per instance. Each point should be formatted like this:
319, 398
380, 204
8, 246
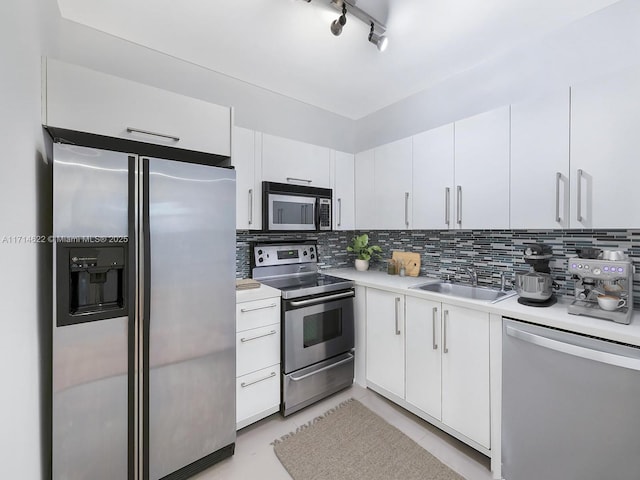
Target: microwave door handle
317, 214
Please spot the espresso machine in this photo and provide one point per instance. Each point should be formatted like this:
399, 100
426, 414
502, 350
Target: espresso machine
535, 288
610, 276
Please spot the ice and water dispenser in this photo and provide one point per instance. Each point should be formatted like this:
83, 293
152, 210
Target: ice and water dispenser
91, 282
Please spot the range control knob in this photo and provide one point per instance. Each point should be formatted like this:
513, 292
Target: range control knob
260, 260
312, 256
304, 253
311, 249
597, 271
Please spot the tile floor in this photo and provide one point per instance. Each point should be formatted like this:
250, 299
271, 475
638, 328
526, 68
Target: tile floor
254, 457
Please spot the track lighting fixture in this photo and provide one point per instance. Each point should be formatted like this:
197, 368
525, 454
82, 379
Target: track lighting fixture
380, 41
336, 25
376, 34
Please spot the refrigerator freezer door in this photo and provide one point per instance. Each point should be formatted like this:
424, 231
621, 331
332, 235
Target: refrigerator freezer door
90, 196
90, 436
190, 317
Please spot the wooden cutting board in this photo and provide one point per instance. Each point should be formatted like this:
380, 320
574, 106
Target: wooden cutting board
411, 262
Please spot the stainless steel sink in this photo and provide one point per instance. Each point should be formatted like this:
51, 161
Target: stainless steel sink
465, 291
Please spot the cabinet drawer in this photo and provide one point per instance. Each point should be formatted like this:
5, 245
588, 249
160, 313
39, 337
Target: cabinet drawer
257, 313
257, 394
81, 99
257, 348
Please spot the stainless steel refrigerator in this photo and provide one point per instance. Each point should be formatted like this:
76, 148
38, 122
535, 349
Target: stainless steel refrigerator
144, 317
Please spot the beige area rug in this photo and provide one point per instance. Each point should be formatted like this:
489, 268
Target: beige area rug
350, 442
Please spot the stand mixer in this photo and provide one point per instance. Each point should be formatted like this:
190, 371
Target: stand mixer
612, 275
535, 288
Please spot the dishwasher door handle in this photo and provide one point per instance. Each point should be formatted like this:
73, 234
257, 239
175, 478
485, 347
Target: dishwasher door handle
575, 350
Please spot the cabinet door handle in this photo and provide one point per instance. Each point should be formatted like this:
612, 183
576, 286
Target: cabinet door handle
579, 216
271, 305
445, 349
558, 177
339, 212
447, 206
155, 134
271, 375
459, 205
397, 316
406, 209
245, 340
293, 179
250, 206
433, 326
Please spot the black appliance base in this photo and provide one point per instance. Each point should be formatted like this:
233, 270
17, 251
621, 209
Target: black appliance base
532, 303
202, 464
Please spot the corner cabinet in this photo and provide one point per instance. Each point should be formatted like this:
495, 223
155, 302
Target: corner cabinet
245, 157
433, 359
257, 356
77, 98
342, 175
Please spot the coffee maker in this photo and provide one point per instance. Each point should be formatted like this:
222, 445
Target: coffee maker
535, 288
610, 277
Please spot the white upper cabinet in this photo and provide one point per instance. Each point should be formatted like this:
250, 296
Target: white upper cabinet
540, 162
294, 162
393, 184
77, 98
366, 195
245, 157
433, 179
605, 158
343, 191
482, 171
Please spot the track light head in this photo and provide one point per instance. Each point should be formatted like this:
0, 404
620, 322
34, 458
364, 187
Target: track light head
380, 41
336, 25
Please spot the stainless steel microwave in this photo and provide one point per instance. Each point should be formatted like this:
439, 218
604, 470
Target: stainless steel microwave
295, 207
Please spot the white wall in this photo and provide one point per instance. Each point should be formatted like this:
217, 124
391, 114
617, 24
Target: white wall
19, 163
599, 44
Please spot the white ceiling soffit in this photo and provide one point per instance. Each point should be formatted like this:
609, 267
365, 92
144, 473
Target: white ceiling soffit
286, 46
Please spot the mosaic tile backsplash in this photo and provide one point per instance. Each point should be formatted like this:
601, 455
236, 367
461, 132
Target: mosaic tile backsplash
448, 252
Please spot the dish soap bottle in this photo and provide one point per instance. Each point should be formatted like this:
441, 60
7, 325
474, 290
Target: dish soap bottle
403, 270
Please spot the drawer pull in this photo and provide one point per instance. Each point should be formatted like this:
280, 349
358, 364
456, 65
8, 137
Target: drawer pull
147, 132
271, 375
245, 310
293, 179
244, 340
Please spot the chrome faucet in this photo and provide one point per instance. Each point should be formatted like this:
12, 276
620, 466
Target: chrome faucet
473, 276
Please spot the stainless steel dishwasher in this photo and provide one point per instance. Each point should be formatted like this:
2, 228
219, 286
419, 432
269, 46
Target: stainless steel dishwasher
571, 406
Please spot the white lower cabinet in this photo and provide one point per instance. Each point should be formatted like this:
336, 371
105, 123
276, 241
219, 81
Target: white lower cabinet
385, 341
257, 360
433, 358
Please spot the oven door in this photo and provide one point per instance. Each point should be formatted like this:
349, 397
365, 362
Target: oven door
291, 212
317, 328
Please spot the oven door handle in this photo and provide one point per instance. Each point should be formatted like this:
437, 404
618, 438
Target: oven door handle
316, 300
328, 367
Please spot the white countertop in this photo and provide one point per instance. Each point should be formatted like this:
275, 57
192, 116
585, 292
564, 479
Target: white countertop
252, 294
555, 316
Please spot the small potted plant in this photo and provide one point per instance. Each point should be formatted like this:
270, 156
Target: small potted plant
360, 246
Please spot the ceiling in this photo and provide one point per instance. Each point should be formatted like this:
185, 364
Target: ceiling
285, 46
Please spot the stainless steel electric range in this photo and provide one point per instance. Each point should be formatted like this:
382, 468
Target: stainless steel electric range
317, 322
